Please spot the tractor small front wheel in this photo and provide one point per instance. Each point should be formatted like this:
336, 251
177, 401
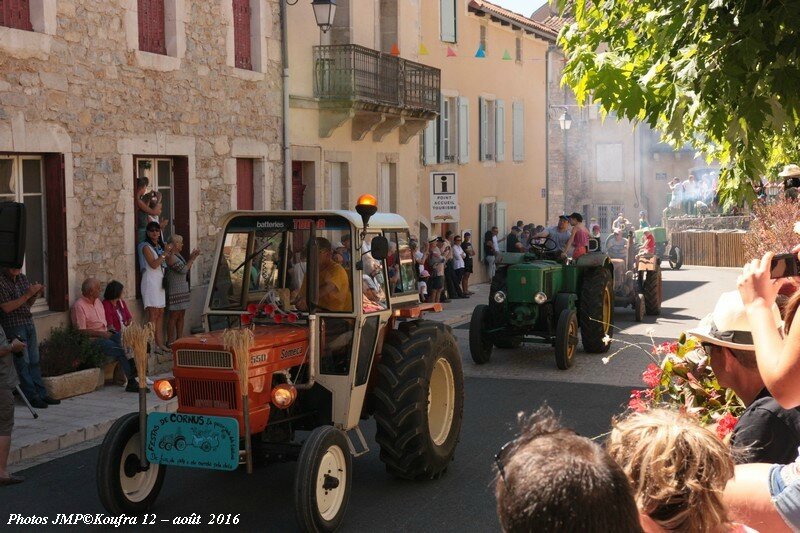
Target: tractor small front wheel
566, 339
480, 343
675, 258
323, 480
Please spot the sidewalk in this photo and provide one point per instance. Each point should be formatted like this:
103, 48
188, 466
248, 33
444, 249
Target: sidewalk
82, 419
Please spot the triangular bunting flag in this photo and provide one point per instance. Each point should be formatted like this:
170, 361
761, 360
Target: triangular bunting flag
481, 52
506, 56
451, 52
423, 50
395, 50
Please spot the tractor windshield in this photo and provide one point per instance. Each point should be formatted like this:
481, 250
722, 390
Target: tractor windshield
263, 260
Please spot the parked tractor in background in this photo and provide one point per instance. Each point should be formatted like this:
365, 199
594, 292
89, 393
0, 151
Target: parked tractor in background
326, 354
637, 280
664, 250
537, 297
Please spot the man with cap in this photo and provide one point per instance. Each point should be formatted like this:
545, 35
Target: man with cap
766, 432
559, 233
579, 239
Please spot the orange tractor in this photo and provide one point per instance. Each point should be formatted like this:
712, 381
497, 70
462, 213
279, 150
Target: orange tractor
332, 302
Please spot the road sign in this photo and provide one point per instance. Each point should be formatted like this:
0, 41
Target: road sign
444, 197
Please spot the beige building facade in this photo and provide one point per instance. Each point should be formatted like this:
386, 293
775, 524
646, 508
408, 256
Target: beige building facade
95, 94
491, 128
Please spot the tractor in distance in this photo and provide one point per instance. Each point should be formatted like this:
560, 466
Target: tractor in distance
329, 349
539, 297
637, 276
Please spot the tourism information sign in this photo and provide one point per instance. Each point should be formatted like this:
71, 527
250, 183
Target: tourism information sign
444, 197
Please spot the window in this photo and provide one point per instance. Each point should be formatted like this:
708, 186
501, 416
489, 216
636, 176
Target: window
519, 49
373, 282
430, 151
22, 180
387, 187
483, 39
447, 12
448, 130
339, 190
491, 214
244, 183
402, 278
38, 182
609, 162
488, 129
151, 27
16, 14
518, 126
241, 34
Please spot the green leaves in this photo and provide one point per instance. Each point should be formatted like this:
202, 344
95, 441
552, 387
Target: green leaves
720, 75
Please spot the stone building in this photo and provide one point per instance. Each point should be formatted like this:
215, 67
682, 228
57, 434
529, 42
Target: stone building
601, 167
95, 93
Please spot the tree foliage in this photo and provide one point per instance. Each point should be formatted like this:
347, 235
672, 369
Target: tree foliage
722, 75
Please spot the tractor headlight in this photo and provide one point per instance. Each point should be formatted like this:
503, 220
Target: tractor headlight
540, 298
164, 389
499, 297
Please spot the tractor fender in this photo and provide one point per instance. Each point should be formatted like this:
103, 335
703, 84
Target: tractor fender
565, 300
592, 260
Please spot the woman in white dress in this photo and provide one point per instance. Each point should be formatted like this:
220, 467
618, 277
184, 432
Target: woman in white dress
152, 262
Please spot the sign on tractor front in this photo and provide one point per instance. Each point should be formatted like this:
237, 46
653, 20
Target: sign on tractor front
444, 197
193, 440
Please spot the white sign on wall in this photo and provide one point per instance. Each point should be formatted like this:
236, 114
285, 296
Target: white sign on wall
444, 197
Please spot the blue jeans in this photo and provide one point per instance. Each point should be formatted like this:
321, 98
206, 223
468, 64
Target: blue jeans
27, 362
785, 498
112, 347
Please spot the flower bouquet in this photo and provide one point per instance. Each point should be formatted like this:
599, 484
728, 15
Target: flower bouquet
681, 376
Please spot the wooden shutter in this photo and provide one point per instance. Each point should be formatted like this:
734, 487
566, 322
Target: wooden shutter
244, 184
447, 12
16, 14
56, 220
500, 130
429, 157
241, 34
484, 128
518, 126
180, 180
444, 129
463, 130
151, 26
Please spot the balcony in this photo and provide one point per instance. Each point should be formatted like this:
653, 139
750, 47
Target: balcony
378, 91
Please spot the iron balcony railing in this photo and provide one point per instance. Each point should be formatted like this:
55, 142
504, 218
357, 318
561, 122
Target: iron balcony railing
352, 72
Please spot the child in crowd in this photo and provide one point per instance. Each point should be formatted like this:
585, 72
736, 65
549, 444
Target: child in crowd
424, 275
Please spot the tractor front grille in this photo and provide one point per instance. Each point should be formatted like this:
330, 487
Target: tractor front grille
207, 394
204, 359
548, 283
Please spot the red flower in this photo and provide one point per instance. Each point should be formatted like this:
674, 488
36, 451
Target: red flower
252, 309
268, 309
246, 319
277, 318
291, 318
652, 376
640, 399
726, 424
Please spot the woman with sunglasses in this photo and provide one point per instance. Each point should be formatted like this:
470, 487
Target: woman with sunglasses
152, 263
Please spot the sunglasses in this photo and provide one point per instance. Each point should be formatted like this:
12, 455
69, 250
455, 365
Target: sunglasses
502, 455
154, 231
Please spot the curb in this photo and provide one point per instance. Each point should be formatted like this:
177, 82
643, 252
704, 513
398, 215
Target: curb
74, 437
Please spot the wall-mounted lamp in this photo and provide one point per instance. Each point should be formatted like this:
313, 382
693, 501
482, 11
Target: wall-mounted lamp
324, 11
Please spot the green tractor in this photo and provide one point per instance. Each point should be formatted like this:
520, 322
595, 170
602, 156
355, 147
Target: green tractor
664, 250
537, 297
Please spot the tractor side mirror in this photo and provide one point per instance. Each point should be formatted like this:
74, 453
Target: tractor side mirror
379, 248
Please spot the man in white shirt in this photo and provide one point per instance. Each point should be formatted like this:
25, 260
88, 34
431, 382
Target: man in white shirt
689, 195
458, 262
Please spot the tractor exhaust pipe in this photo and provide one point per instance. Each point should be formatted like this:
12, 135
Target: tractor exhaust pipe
312, 294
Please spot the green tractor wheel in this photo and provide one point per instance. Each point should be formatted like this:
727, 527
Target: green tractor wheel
480, 343
566, 338
596, 307
652, 291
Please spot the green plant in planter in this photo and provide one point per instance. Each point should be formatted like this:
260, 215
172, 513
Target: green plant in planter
68, 350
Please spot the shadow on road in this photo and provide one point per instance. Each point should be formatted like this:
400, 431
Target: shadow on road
674, 288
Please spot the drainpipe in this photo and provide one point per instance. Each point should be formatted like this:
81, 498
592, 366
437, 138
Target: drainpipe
550, 49
287, 149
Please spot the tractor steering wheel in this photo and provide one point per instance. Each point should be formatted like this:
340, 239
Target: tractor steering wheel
549, 245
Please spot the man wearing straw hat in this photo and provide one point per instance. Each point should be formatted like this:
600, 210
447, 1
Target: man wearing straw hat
791, 178
766, 432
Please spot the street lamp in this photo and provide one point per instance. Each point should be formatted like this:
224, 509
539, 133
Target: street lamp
324, 11
565, 121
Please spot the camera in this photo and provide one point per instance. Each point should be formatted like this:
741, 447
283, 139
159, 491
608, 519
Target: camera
784, 266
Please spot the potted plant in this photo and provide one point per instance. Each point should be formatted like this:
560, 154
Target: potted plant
70, 363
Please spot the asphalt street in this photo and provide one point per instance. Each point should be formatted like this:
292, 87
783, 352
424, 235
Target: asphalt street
587, 396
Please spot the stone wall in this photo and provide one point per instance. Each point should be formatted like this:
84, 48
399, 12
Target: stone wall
105, 102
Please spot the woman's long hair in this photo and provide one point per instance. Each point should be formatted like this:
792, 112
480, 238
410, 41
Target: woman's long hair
151, 226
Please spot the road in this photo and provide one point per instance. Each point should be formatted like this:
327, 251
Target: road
515, 380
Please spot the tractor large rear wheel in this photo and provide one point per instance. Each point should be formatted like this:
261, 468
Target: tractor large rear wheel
480, 343
595, 310
566, 339
419, 400
652, 291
